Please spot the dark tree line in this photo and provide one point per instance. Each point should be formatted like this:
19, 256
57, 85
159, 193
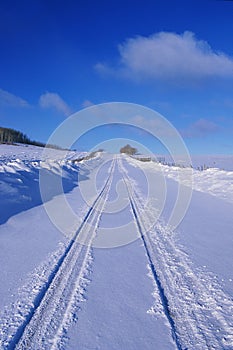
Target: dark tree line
10, 136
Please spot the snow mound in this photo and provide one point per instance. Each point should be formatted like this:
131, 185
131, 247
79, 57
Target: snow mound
19, 175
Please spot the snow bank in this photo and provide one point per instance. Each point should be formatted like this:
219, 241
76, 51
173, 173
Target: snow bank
214, 181
19, 175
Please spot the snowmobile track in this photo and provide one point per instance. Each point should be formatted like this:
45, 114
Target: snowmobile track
46, 323
198, 311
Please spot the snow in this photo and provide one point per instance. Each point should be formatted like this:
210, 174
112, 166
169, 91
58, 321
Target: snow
199, 162
19, 176
115, 314
213, 180
151, 287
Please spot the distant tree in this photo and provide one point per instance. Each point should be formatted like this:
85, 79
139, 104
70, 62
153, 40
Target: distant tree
128, 150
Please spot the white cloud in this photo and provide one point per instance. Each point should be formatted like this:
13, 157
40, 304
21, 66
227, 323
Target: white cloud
9, 99
169, 56
200, 128
157, 125
53, 100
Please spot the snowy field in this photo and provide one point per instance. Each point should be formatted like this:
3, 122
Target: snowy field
222, 162
119, 276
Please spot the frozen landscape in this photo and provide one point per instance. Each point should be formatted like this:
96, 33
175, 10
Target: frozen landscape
119, 276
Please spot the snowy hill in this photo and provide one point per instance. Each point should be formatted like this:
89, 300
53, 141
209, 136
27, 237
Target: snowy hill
99, 265
19, 175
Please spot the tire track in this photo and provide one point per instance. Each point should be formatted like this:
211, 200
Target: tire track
198, 311
54, 307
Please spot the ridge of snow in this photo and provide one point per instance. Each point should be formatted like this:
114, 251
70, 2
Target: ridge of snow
214, 181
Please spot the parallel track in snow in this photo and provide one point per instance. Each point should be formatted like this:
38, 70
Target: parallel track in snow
54, 308
198, 311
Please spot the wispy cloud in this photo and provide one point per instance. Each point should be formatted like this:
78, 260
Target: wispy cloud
201, 128
87, 103
9, 99
169, 56
53, 100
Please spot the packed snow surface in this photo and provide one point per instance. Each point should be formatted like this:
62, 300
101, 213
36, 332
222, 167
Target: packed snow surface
120, 278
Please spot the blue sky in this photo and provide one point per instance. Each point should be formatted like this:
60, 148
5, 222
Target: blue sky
176, 57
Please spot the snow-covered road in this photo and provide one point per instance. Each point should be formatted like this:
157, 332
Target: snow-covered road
198, 311
145, 290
